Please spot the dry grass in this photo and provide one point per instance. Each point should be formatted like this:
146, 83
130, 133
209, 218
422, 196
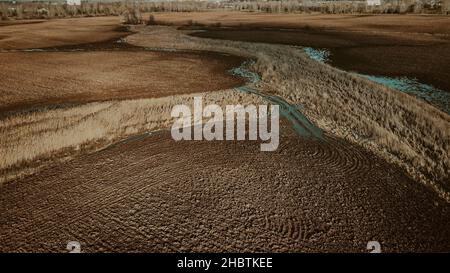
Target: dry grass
402, 129
29, 141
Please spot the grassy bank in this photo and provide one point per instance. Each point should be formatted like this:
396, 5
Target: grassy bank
399, 127
32, 141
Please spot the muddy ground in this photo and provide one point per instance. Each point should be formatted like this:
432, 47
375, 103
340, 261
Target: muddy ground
94, 63
417, 46
153, 194
57, 32
34, 79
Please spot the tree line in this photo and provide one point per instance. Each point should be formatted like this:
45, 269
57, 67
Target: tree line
42, 10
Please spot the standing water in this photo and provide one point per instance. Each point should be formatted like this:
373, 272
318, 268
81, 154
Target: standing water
428, 93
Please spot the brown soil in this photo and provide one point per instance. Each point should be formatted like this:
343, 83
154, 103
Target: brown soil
19, 22
58, 32
29, 80
389, 24
152, 194
413, 45
87, 64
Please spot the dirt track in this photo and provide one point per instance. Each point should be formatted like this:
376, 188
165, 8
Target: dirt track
154, 194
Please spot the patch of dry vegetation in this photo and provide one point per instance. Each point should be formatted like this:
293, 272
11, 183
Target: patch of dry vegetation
399, 127
30, 141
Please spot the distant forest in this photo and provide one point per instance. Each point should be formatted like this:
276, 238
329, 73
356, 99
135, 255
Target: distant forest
59, 9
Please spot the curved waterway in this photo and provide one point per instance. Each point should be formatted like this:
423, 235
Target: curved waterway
301, 124
439, 98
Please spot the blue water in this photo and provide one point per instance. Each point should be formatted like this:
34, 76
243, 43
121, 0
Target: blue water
434, 96
243, 72
321, 55
438, 98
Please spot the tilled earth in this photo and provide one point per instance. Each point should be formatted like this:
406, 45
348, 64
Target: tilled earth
32, 79
21, 34
45, 65
152, 194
